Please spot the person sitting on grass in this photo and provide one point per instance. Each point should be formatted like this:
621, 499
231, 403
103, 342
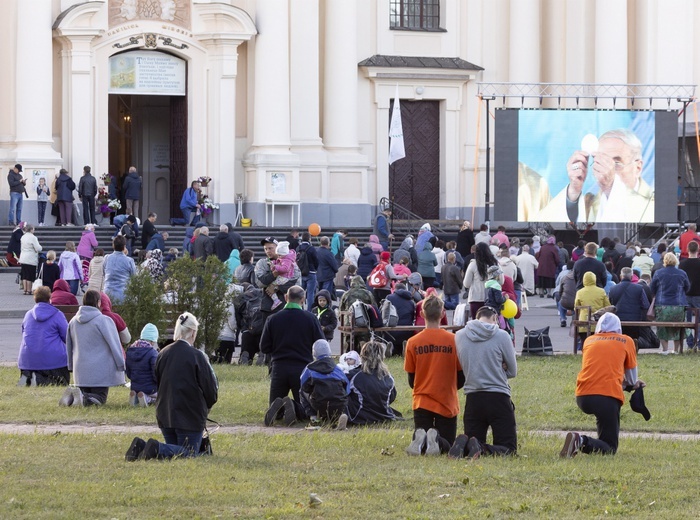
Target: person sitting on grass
95, 355
324, 388
487, 357
434, 374
42, 353
372, 389
141, 367
609, 362
187, 389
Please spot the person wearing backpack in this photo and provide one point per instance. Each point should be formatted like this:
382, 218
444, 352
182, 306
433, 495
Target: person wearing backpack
325, 314
381, 277
308, 265
250, 321
358, 291
327, 267
366, 262
406, 309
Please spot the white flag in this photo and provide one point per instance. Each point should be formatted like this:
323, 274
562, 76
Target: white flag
396, 148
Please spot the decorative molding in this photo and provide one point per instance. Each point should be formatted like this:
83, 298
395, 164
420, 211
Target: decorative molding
134, 40
169, 43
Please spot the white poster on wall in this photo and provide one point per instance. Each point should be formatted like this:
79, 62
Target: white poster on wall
147, 72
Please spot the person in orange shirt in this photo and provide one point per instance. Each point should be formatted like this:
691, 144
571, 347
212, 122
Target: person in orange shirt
435, 375
609, 361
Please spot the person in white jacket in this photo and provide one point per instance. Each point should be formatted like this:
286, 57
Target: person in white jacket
29, 258
352, 253
527, 264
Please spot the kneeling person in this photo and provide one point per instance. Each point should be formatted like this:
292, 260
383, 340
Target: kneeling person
487, 357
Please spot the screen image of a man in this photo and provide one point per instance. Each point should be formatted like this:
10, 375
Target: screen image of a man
616, 167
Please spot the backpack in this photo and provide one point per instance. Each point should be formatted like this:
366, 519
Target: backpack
303, 261
378, 279
390, 316
366, 316
252, 317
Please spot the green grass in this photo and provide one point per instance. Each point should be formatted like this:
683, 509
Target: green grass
543, 394
360, 473
264, 476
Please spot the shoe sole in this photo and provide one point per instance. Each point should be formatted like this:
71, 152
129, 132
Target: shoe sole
141, 400
474, 450
569, 450
272, 412
290, 414
416, 445
342, 422
457, 449
67, 398
432, 448
133, 452
77, 397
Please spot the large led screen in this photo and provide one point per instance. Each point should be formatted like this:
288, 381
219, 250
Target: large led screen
584, 165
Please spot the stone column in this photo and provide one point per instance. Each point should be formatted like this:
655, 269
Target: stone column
271, 107
525, 30
34, 81
340, 76
611, 41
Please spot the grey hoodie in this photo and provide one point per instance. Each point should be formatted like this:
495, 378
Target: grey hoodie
482, 349
94, 352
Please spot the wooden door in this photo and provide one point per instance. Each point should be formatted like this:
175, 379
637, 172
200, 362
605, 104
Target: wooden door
178, 152
414, 181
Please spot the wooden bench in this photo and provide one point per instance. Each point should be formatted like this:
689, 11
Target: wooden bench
682, 325
68, 310
348, 328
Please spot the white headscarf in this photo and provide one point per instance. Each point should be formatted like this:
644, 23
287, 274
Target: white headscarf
608, 323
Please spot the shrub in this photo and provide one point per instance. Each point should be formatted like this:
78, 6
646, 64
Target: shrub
142, 303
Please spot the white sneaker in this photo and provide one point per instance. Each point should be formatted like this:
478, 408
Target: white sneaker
432, 448
77, 396
133, 400
141, 399
342, 422
416, 446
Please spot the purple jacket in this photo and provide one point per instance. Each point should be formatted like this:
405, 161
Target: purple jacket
87, 245
43, 339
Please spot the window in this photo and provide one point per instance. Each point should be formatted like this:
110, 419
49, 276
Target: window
415, 15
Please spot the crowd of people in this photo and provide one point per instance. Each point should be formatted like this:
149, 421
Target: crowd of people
296, 286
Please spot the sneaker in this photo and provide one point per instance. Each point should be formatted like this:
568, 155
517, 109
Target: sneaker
23, 380
457, 449
77, 396
432, 448
141, 399
563, 323
261, 359
572, 445
474, 449
290, 414
33, 380
416, 446
276, 304
133, 401
150, 450
342, 422
137, 446
244, 359
67, 397
273, 411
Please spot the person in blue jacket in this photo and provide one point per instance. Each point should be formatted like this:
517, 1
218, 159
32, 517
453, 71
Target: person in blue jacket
189, 203
324, 387
131, 188
141, 367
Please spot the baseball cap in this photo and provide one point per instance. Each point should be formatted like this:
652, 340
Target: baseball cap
268, 240
19, 167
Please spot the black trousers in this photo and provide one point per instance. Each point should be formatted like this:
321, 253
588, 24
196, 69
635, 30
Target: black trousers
250, 343
93, 395
285, 377
224, 353
89, 210
494, 409
446, 426
607, 418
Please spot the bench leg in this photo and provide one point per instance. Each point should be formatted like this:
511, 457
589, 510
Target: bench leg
680, 349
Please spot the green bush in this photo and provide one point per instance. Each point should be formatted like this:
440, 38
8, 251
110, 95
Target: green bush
202, 289
143, 303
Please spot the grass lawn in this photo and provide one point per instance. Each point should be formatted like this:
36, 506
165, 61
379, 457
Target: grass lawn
359, 473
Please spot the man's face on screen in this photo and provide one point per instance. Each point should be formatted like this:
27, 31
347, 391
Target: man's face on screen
625, 166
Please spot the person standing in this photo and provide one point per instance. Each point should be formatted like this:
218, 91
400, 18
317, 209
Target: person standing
434, 374
548, 263
42, 197
64, 197
327, 267
381, 228
669, 286
29, 258
691, 266
609, 361
465, 239
132, 191
18, 186
148, 229
487, 357
630, 300
590, 262
189, 204
118, 269
87, 191
223, 244
691, 235
289, 355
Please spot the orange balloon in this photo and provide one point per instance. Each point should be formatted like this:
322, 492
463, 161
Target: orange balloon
314, 229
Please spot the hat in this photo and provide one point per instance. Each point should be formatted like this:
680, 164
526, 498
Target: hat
268, 240
19, 167
349, 360
283, 248
415, 279
494, 272
609, 322
149, 332
385, 255
637, 403
425, 227
321, 349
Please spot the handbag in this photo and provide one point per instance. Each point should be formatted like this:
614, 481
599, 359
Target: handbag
651, 314
205, 446
537, 343
38, 282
